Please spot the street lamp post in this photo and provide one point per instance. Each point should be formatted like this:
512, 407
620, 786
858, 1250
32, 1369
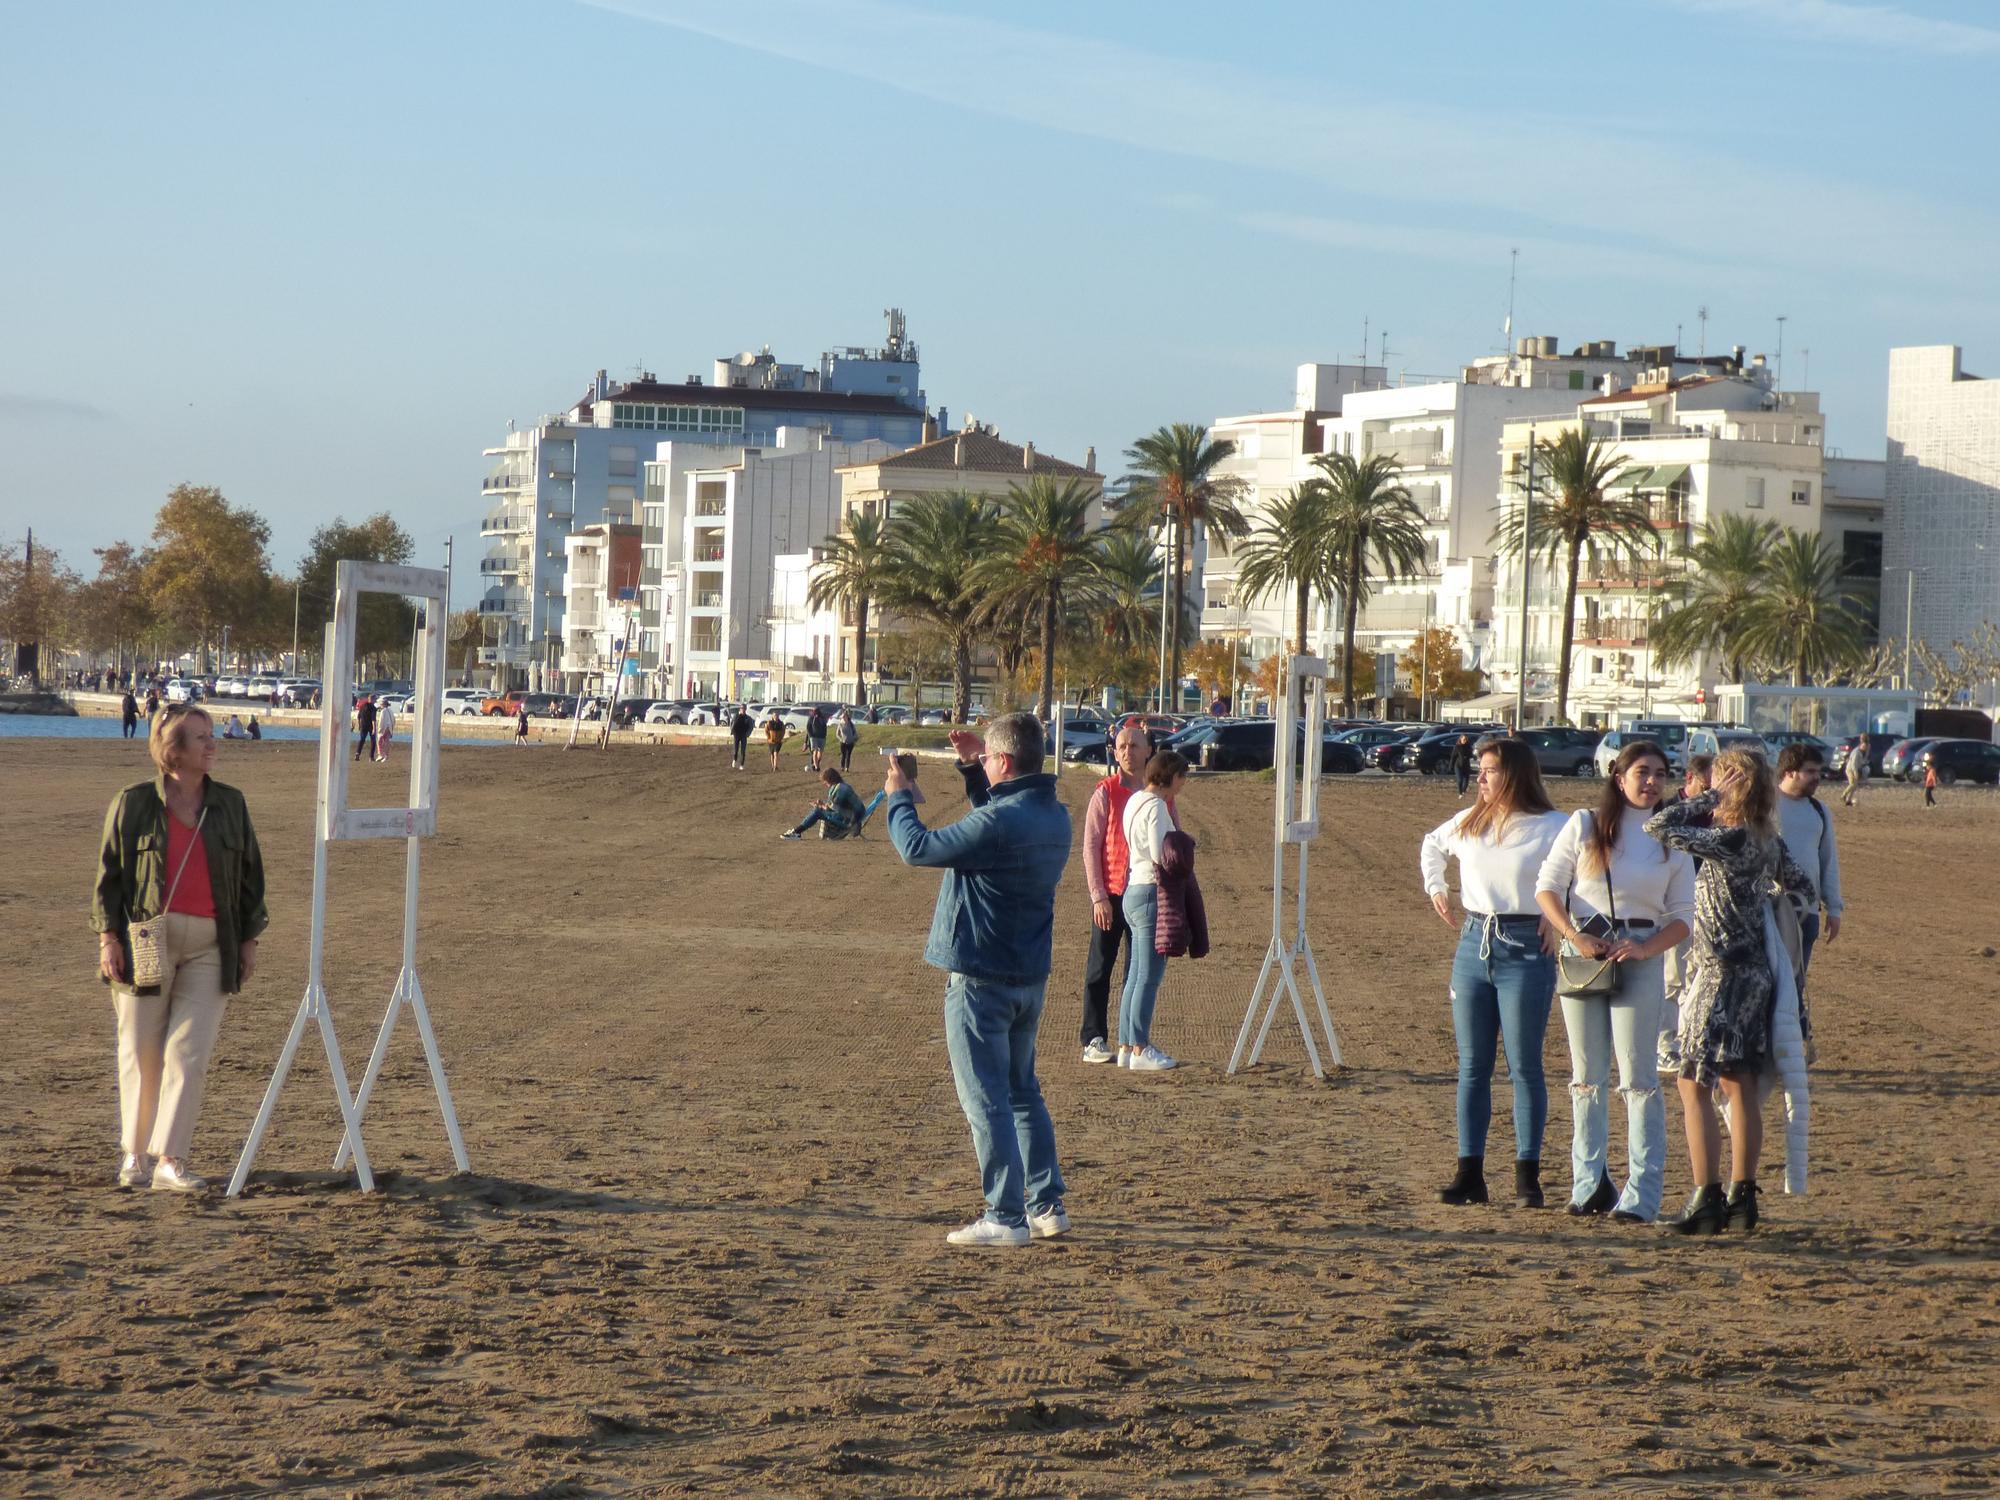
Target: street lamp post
1527, 537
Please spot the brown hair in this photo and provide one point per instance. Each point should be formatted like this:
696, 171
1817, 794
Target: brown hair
1750, 800
166, 740
1517, 789
1164, 767
1610, 814
1797, 755
830, 776
1702, 768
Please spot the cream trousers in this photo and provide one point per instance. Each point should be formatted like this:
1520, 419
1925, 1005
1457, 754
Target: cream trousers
165, 1040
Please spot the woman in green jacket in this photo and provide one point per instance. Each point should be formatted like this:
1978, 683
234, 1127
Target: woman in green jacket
178, 857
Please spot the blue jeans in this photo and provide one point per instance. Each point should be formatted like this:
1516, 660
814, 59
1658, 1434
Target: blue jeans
1144, 968
1626, 1025
1501, 984
819, 815
989, 1031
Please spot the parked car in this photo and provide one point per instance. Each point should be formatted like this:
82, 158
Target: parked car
1901, 757
229, 685
462, 701
1159, 725
668, 711
1777, 739
1708, 739
1616, 740
297, 691
1877, 746
1961, 760
1430, 753
1559, 753
507, 704
181, 690
892, 713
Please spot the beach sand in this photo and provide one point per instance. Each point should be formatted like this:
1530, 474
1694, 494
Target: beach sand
716, 1146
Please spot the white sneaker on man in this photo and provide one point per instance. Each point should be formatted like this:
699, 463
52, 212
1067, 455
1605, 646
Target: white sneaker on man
988, 1232
136, 1171
173, 1176
1048, 1222
1150, 1059
1094, 1051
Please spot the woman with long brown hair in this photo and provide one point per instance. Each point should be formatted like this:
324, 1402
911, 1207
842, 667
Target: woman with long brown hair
1503, 975
1725, 1032
1619, 898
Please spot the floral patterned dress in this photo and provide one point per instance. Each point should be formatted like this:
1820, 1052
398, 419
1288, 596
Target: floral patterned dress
1726, 1006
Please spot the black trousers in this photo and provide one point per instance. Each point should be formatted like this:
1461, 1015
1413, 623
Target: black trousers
1464, 775
846, 754
1097, 972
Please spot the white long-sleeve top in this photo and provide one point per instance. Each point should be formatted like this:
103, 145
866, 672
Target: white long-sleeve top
1650, 882
1497, 869
1148, 821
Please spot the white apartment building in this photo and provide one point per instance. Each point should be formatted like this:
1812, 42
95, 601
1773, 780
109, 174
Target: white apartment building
1941, 513
600, 607
1695, 449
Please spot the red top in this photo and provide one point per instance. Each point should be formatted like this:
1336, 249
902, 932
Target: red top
194, 896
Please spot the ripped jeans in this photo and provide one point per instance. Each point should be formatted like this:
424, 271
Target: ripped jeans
1626, 1025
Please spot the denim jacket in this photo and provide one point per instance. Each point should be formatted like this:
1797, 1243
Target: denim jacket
995, 916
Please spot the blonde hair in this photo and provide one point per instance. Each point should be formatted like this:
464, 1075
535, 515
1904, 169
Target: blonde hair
1749, 793
166, 741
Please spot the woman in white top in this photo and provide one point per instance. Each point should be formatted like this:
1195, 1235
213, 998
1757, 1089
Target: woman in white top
1503, 977
1613, 892
1149, 818
385, 730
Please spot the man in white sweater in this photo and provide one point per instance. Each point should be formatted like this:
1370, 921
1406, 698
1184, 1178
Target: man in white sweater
1808, 832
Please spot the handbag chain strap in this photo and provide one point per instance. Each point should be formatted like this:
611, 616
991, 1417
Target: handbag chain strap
1609, 890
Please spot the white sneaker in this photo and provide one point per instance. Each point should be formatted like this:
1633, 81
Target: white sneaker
1124, 1056
1049, 1223
137, 1171
1150, 1059
988, 1232
173, 1176
1094, 1051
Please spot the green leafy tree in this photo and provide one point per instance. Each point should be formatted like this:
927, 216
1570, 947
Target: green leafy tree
936, 544
383, 623
1709, 605
1581, 516
1176, 486
1044, 558
1373, 528
38, 615
207, 567
851, 572
114, 614
1804, 618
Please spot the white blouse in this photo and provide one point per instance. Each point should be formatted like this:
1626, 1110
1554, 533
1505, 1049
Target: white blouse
1497, 869
1148, 821
1649, 882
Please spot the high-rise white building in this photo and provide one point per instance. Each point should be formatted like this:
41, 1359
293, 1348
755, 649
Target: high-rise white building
1941, 507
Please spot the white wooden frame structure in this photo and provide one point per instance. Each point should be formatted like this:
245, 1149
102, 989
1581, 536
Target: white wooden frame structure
1297, 760
413, 822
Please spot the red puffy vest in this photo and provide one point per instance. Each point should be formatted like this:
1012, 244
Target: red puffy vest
1117, 854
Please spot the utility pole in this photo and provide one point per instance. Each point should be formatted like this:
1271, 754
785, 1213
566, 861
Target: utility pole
295, 628
1780, 377
1527, 541
447, 608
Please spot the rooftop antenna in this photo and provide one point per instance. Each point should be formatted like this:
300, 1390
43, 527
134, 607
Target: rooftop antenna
1386, 352
1781, 352
1702, 313
1513, 264
1363, 361
1805, 377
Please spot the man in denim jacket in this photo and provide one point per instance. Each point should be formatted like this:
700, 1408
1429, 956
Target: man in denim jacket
992, 933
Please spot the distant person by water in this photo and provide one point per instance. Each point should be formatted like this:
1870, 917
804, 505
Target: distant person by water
128, 714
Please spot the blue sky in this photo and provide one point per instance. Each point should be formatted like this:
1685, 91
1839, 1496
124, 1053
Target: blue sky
319, 254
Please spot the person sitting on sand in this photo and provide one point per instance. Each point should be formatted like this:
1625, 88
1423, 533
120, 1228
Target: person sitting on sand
234, 730
255, 732
841, 809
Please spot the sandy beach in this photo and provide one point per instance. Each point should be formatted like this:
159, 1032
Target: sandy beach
716, 1149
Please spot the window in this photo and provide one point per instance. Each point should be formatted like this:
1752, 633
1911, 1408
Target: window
624, 463
1753, 494
1802, 492
1576, 380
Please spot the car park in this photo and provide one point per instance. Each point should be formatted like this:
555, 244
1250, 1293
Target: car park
1430, 753
1560, 754
1961, 760
1900, 760
297, 691
1874, 745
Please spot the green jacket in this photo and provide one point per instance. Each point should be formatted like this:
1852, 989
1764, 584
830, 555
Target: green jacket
132, 872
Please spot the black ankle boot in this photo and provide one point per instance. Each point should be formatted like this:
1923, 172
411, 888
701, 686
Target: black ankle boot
1527, 1183
1598, 1202
1740, 1211
1706, 1212
1469, 1186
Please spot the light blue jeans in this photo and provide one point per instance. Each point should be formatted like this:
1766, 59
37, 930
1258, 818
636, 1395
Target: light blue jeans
989, 1031
1501, 984
1627, 1026
1144, 968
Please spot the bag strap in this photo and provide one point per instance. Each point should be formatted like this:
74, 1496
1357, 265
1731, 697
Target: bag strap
1609, 889
186, 855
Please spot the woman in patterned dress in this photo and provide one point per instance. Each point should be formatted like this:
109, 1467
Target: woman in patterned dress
1725, 1032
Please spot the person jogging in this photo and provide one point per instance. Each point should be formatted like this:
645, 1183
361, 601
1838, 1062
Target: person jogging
1107, 864
739, 738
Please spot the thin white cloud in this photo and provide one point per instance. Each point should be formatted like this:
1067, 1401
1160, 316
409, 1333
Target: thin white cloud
1502, 167
18, 406
1871, 26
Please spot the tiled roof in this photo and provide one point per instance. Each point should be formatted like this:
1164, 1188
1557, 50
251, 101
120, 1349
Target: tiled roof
980, 451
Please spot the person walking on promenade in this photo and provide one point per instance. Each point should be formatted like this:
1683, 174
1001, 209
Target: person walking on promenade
1807, 829
1857, 770
992, 933
1503, 975
128, 714
152, 704
1461, 761
1930, 782
774, 736
1636, 900
1149, 818
180, 889
1106, 867
740, 726
520, 725
1742, 975
385, 730
364, 726
816, 741
848, 735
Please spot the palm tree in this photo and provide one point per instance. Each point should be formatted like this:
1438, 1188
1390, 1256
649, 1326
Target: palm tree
1802, 617
1174, 485
1584, 518
934, 545
1371, 521
1045, 555
851, 571
1726, 566
1291, 546
1128, 565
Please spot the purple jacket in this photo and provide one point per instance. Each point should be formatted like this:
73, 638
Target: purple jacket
1182, 924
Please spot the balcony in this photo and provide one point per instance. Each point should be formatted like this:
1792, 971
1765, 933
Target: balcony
652, 536
504, 601
502, 565
711, 507
710, 552
706, 645
497, 482
708, 599
506, 523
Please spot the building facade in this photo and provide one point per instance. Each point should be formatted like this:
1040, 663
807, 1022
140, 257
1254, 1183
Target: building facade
600, 605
